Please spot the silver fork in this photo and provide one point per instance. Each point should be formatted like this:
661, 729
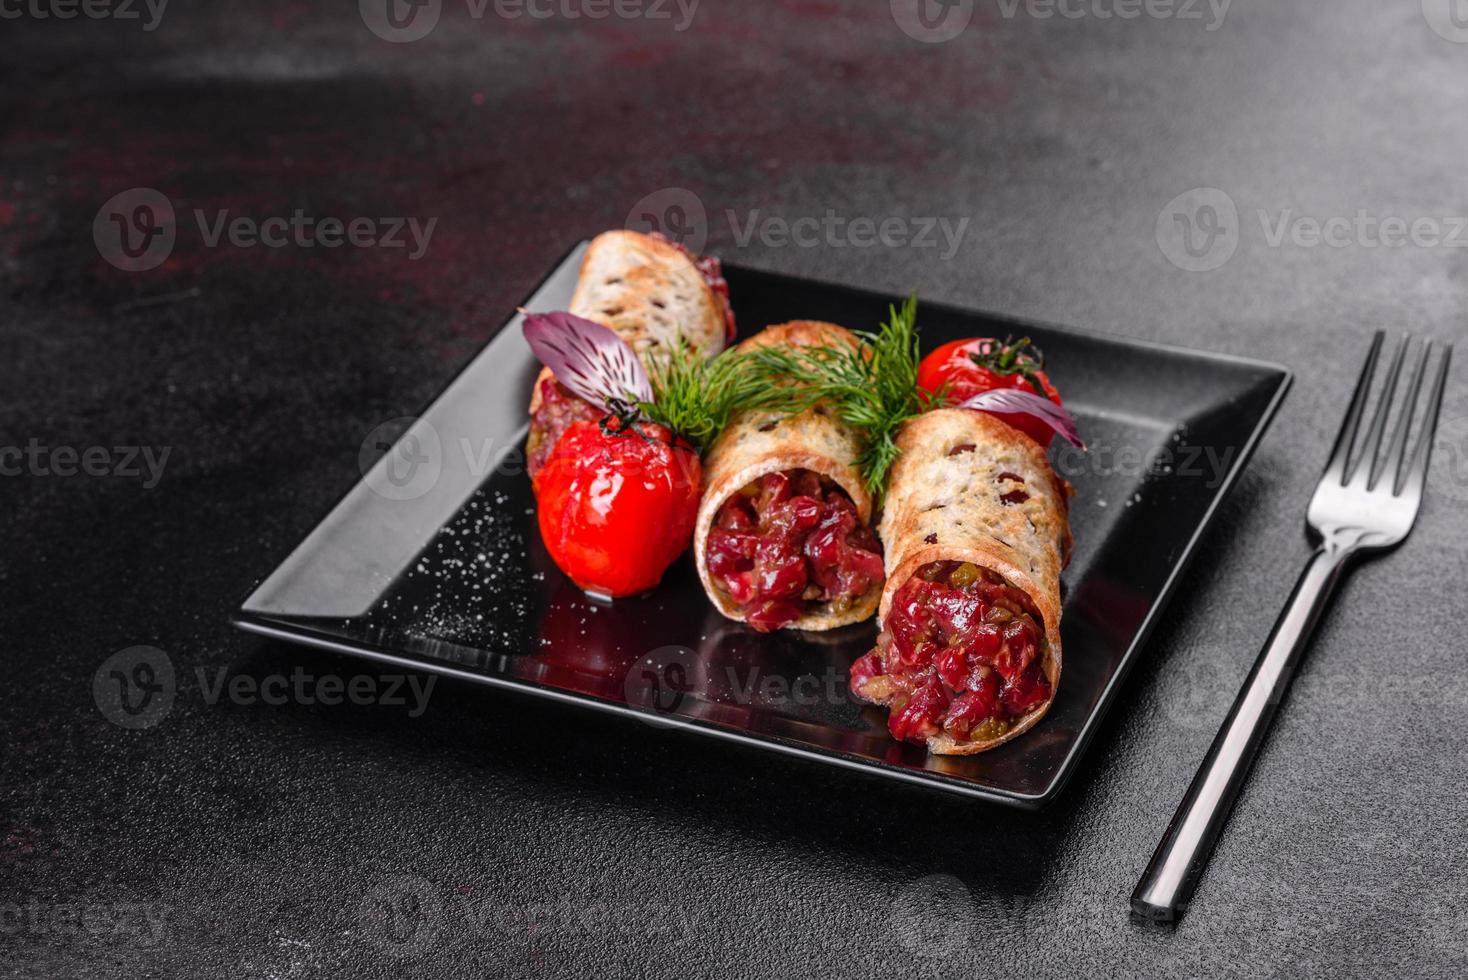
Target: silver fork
1355, 510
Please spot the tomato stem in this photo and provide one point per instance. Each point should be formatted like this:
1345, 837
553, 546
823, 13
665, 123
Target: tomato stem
1020, 357
626, 419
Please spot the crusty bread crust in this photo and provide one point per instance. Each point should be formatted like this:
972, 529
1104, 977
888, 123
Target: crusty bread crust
757, 443
649, 292
943, 507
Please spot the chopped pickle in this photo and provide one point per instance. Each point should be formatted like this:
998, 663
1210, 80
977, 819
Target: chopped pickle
964, 575
989, 728
787, 540
960, 653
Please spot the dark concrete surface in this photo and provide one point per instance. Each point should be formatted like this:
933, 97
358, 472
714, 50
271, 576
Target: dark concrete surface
235, 839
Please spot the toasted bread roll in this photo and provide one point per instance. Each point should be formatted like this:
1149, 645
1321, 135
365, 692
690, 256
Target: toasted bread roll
975, 513
650, 292
759, 444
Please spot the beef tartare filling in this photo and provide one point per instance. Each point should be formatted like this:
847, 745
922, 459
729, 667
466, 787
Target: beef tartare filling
959, 654
788, 540
558, 411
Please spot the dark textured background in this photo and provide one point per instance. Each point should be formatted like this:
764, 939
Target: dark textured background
548, 841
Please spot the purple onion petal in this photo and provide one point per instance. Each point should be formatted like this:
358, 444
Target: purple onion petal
1012, 401
590, 359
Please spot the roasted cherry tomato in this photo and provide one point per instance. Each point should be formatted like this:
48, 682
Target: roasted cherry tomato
616, 504
982, 364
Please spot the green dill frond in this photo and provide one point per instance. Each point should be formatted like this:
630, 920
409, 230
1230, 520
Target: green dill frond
696, 396
872, 386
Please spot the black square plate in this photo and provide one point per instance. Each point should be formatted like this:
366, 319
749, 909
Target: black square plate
433, 560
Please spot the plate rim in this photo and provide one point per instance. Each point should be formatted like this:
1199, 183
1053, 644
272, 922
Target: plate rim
1160, 346
1283, 379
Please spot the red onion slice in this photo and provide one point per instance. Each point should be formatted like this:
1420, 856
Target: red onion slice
1012, 401
591, 360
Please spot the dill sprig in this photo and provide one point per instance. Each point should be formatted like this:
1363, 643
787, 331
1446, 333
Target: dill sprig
695, 396
871, 386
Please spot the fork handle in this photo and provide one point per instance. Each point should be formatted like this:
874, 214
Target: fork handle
1166, 887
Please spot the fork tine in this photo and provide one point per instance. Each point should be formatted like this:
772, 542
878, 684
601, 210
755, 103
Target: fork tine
1396, 451
1366, 466
1421, 453
1336, 468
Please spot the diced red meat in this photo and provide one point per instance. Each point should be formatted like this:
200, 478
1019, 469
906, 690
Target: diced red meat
788, 540
959, 653
558, 411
